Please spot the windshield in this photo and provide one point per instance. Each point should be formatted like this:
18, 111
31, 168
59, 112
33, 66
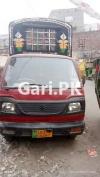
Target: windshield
40, 71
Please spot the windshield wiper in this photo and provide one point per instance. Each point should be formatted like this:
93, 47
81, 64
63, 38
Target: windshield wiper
16, 87
35, 84
9, 87
32, 84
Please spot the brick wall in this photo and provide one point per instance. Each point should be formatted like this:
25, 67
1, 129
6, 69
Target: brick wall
86, 43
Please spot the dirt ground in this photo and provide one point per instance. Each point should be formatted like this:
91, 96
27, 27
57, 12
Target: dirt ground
57, 157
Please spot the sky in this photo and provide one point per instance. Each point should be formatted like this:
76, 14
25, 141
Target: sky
16, 9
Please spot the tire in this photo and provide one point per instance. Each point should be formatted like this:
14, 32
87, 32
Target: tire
72, 137
8, 138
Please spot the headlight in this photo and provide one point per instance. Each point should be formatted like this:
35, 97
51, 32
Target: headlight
74, 107
8, 107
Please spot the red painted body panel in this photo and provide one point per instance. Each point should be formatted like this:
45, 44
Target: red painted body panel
66, 95
59, 118
13, 93
31, 119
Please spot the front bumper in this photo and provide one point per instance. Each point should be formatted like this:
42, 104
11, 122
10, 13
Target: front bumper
58, 129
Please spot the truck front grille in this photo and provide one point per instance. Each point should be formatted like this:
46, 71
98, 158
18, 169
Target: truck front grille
41, 108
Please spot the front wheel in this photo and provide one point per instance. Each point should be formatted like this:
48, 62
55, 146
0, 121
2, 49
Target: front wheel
72, 137
8, 138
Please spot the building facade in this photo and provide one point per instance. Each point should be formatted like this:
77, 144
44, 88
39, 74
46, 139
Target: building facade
73, 16
86, 44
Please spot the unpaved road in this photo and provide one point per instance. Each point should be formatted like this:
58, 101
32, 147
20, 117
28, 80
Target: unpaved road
57, 157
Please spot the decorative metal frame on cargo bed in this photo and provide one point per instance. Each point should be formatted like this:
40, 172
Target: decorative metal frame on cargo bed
56, 36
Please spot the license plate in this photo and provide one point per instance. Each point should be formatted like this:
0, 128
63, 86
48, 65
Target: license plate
42, 134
